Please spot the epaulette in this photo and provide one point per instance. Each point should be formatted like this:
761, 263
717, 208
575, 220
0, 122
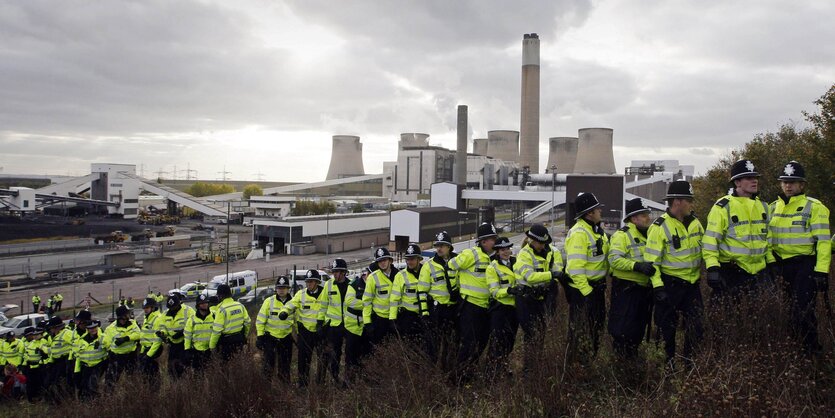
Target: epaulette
625, 228
722, 202
659, 221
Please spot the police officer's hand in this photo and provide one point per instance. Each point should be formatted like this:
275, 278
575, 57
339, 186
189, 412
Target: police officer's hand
821, 281
178, 334
645, 268
160, 334
97, 345
713, 278
121, 340
660, 295
283, 315
260, 341
516, 290
557, 275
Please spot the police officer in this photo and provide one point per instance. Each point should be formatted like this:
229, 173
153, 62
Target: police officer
59, 300
799, 230
149, 341
10, 349
586, 248
60, 344
197, 333
406, 306
357, 343
274, 335
172, 325
305, 308
331, 315
231, 324
120, 340
736, 247
90, 359
36, 303
674, 247
537, 266
630, 311
34, 359
474, 320
503, 322
440, 283
375, 299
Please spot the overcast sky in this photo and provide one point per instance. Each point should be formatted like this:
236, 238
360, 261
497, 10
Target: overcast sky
261, 86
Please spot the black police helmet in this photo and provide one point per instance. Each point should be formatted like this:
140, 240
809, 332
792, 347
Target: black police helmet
503, 242
539, 233
224, 290
54, 322
122, 312
443, 238
282, 281
149, 303
486, 230
382, 253
585, 203
413, 250
793, 171
29, 331
83, 316
313, 275
339, 264
742, 169
634, 207
680, 189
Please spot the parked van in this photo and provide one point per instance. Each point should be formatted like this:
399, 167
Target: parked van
297, 277
240, 282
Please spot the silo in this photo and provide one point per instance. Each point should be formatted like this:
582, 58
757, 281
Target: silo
594, 152
562, 152
529, 125
503, 145
346, 157
480, 146
413, 139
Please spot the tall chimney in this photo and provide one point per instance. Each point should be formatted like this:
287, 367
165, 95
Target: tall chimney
529, 126
460, 172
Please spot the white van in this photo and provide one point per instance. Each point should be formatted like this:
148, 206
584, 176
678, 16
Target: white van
240, 282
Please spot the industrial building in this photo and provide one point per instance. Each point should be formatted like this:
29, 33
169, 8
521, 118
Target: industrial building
322, 233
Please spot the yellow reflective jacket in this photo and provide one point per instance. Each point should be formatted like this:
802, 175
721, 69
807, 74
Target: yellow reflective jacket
626, 247
231, 318
437, 280
198, 331
737, 232
585, 252
114, 331
471, 265
377, 294
305, 306
800, 226
268, 322
675, 248
404, 294
500, 277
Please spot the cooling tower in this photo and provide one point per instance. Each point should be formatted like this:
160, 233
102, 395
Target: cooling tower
594, 152
460, 172
529, 126
413, 139
480, 146
503, 145
562, 152
346, 157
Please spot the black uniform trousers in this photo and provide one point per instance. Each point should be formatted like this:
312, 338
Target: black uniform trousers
90, 379
334, 340
278, 351
686, 299
230, 344
309, 344
410, 328
119, 364
503, 327
586, 315
444, 339
357, 347
802, 293
738, 283
531, 313
474, 328
380, 329
630, 314
34, 381
199, 359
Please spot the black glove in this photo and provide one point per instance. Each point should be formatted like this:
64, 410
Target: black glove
178, 334
97, 345
645, 268
821, 281
557, 275
260, 341
160, 334
121, 340
369, 328
320, 325
660, 295
714, 281
283, 315
43, 352
516, 290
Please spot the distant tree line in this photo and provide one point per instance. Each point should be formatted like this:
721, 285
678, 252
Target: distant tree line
310, 207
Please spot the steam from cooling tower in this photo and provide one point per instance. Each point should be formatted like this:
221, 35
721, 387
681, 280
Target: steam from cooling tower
562, 153
413, 139
346, 157
529, 125
594, 152
460, 171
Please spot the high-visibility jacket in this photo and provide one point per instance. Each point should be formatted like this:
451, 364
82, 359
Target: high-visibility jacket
800, 226
354, 307
114, 331
268, 322
198, 331
173, 325
737, 232
231, 318
437, 280
12, 352
376, 296
331, 301
304, 308
534, 270
34, 355
586, 248
89, 351
626, 248
60, 346
36, 300
59, 298
148, 340
471, 265
159, 298
404, 294
500, 277
675, 248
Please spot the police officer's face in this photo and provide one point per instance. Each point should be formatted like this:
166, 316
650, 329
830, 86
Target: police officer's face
792, 188
536, 245
147, 310
384, 264
339, 275
596, 215
442, 249
311, 284
641, 220
281, 291
488, 243
747, 185
412, 262
505, 253
204, 306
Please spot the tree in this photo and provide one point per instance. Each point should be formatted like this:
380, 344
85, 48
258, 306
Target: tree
200, 189
358, 208
252, 190
813, 147
309, 207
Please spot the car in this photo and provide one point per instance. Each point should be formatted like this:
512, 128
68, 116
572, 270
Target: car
190, 290
19, 323
254, 298
298, 277
4, 310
